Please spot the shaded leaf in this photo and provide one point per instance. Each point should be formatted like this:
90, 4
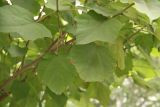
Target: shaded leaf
4, 71
16, 51
57, 73
93, 27
145, 41
51, 23
31, 5
55, 100
137, 17
4, 41
93, 62
20, 90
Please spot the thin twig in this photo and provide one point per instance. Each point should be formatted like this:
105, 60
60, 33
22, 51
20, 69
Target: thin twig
44, 17
58, 16
10, 38
23, 59
62, 35
28, 66
40, 14
121, 12
52, 48
132, 35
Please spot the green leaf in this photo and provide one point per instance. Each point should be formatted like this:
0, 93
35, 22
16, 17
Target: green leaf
4, 41
156, 25
16, 51
57, 73
63, 4
100, 92
42, 43
31, 5
26, 92
20, 90
4, 71
55, 100
144, 69
17, 19
3, 2
51, 23
137, 17
110, 9
105, 11
94, 27
149, 7
139, 80
102, 2
93, 62
146, 41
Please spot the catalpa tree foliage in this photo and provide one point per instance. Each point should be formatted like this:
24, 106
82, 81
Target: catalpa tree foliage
57, 52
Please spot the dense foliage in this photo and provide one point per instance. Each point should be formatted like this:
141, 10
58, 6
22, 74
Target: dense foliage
58, 52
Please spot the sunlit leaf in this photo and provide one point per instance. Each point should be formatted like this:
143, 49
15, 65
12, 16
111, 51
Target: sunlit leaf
17, 19
93, 27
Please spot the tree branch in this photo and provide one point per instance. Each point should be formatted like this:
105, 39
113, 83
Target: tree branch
40, 14
29, 66
120, 13
3, 95
132, 35
58, 16
52, 48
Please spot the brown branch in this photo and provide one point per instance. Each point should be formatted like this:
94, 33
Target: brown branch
44, 17
4, 95
40, 14
121, 12
52, 48
30, 65
59, 19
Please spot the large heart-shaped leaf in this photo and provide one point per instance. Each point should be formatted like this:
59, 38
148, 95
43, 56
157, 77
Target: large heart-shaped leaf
31, 5
17, 19
94, 27
105, 11
63, 4
93, 62
149, 7
57, 73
